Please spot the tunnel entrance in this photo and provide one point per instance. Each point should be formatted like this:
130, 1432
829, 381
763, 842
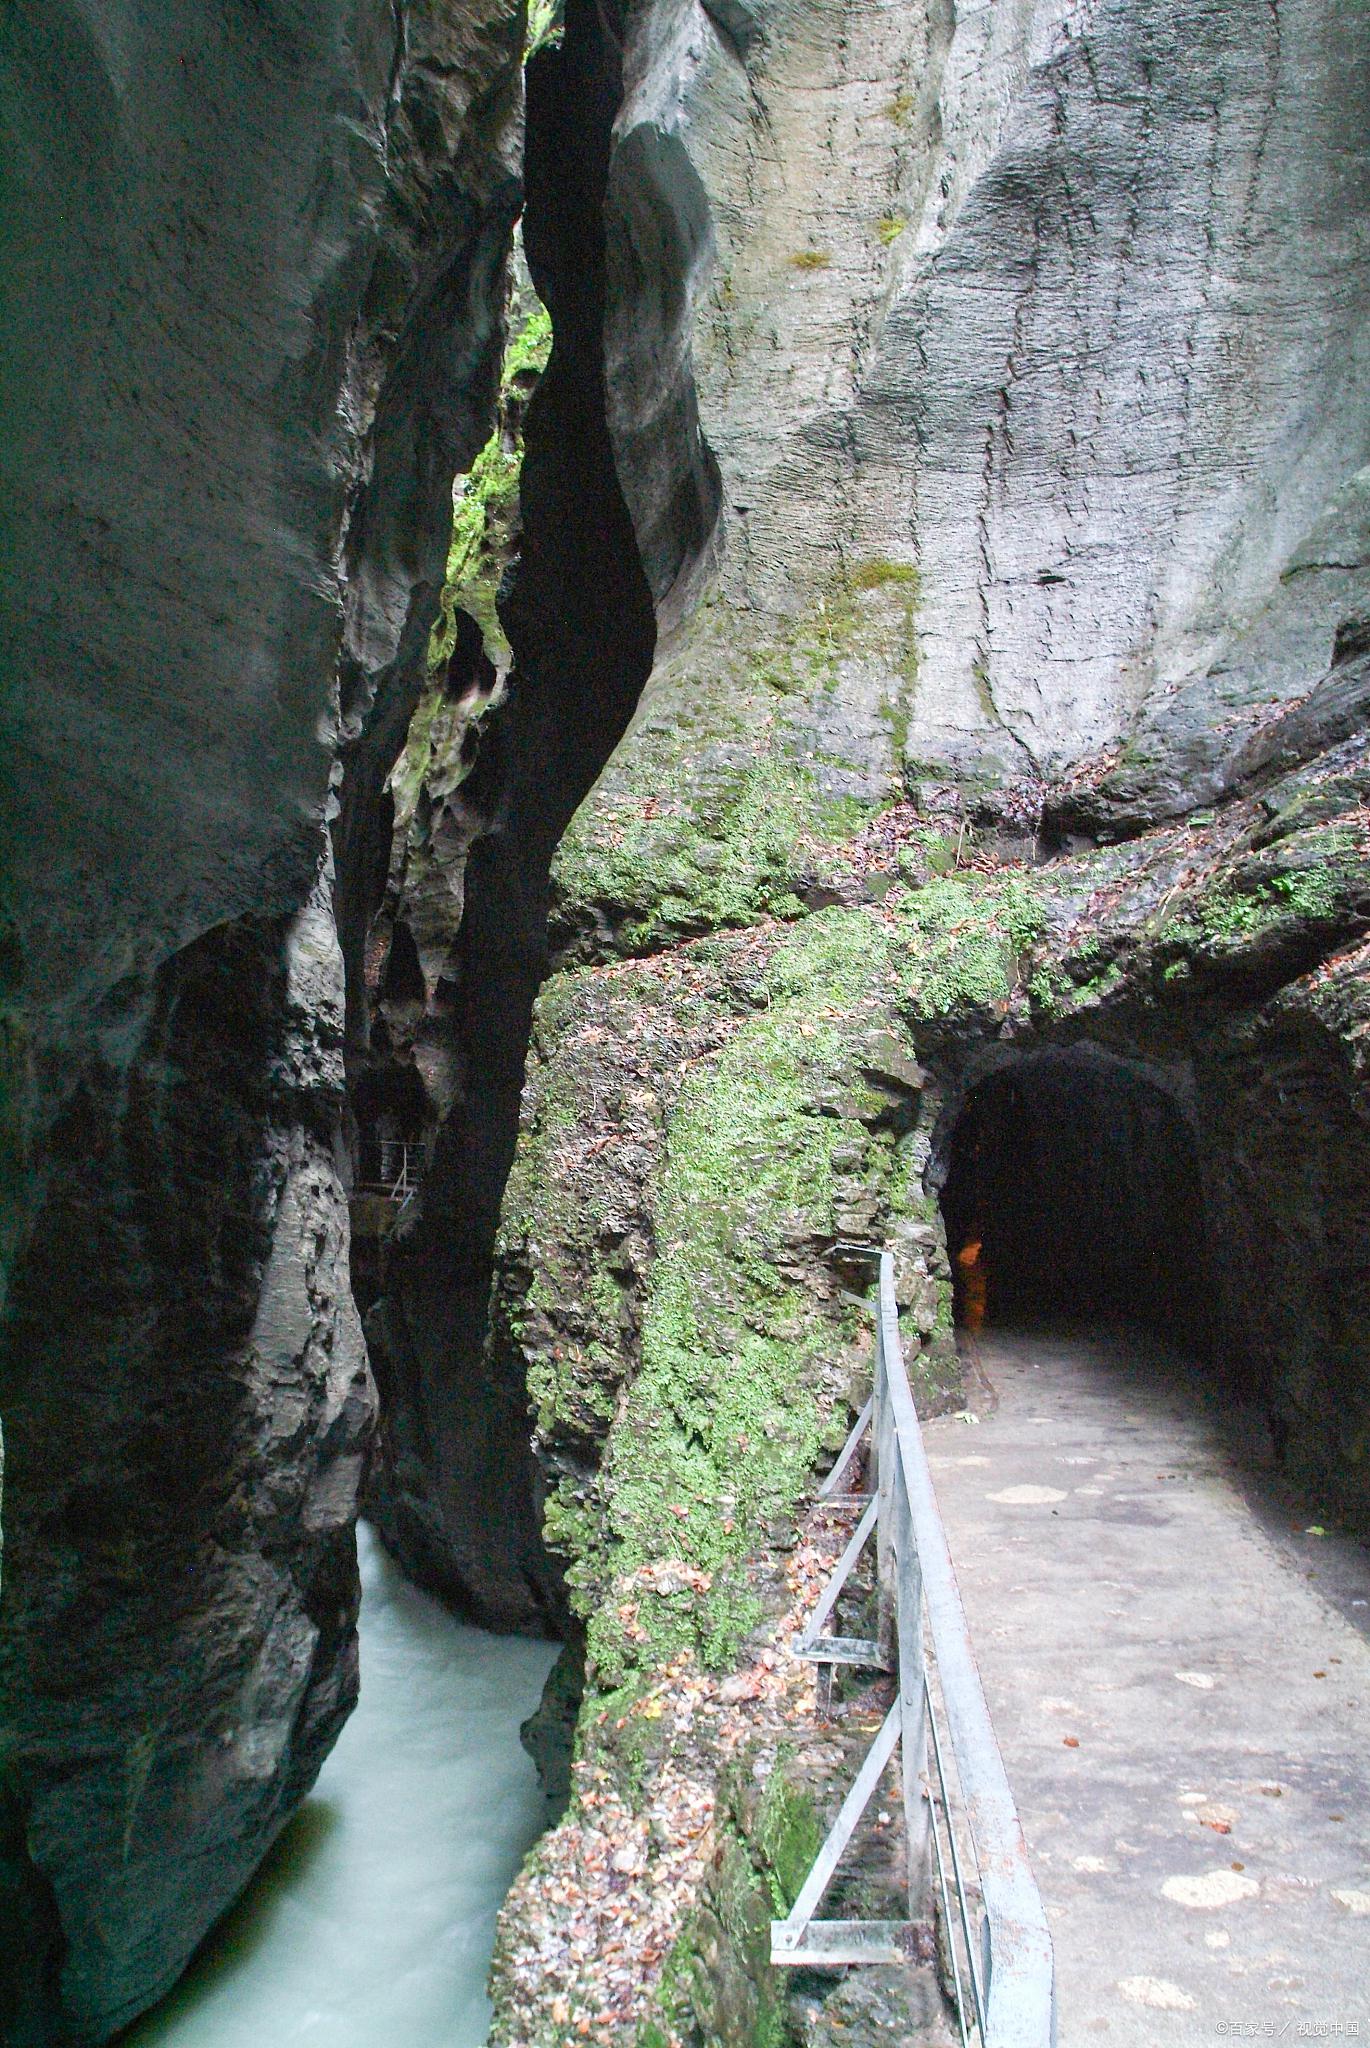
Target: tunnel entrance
1073, 1187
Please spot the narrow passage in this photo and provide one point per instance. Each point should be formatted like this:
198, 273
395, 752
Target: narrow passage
372, 1922
1180, 1681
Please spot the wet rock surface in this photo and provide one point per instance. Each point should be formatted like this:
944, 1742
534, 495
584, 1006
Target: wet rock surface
186, 1409
253, 329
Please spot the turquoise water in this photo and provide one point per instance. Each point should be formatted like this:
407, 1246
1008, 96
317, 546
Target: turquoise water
371, 1924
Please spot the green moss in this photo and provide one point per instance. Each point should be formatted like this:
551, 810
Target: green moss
723, 1421
1102, 984
899, 108
485, 501
965, 937
740, 1998
720, 798
1315, 893
789, 1835
485, 510
700, 854
1230, 917
890, 227
810, 259
875, 574
931, 850
1051, 990
545, 27
765, 1847
896, 719
979, 675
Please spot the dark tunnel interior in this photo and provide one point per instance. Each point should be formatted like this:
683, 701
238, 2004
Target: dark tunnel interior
1073, 1186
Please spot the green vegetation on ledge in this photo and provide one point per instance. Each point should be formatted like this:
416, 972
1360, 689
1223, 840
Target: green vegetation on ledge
484, 537
730, 796
708, 848
967, 938
485, 502
716, 1433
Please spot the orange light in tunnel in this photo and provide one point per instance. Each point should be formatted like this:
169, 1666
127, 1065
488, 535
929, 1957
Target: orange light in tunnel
974, 1284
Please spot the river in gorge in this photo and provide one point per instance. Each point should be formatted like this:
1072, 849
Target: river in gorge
371, 1924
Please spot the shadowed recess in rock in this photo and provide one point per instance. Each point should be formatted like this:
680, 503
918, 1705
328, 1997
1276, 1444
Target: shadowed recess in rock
454, 1486
1073, 1186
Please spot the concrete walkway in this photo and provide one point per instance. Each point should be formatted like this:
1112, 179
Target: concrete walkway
1180, 1680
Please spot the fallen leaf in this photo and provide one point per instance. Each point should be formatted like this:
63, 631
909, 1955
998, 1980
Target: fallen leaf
1211, 1889
1156, 1992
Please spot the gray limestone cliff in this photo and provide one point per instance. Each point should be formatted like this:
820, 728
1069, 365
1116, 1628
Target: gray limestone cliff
1063, 305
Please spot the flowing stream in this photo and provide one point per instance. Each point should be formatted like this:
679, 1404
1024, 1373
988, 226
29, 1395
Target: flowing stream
373, 1919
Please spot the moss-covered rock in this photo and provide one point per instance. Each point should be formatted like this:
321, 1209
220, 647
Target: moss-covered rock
707, 1126
700, 1127
753, 763
485, 502
707, 1116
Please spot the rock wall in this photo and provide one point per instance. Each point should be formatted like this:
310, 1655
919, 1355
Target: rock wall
936, 494
1009, 708
708, 1116
966, 414
1064, 306
455, 1490
252, 326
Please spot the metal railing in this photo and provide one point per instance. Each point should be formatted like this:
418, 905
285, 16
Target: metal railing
390, 1167
997, 1946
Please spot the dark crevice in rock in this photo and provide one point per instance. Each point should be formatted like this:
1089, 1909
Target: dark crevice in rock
454, 1488
396, 547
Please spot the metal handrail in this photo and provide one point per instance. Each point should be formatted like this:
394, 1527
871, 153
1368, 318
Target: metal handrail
1011, 1978
398, 1177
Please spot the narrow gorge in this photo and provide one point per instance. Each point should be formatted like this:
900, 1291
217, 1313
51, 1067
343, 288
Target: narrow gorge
644, 642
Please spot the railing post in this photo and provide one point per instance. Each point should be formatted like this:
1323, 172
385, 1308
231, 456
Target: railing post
882, 1467
907, 1590
913, 1705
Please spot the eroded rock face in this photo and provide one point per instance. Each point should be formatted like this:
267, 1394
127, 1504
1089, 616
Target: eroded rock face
460, 1504
978, 394
1061, 306
1015, 349
187, 1407
965, 404
253, 328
